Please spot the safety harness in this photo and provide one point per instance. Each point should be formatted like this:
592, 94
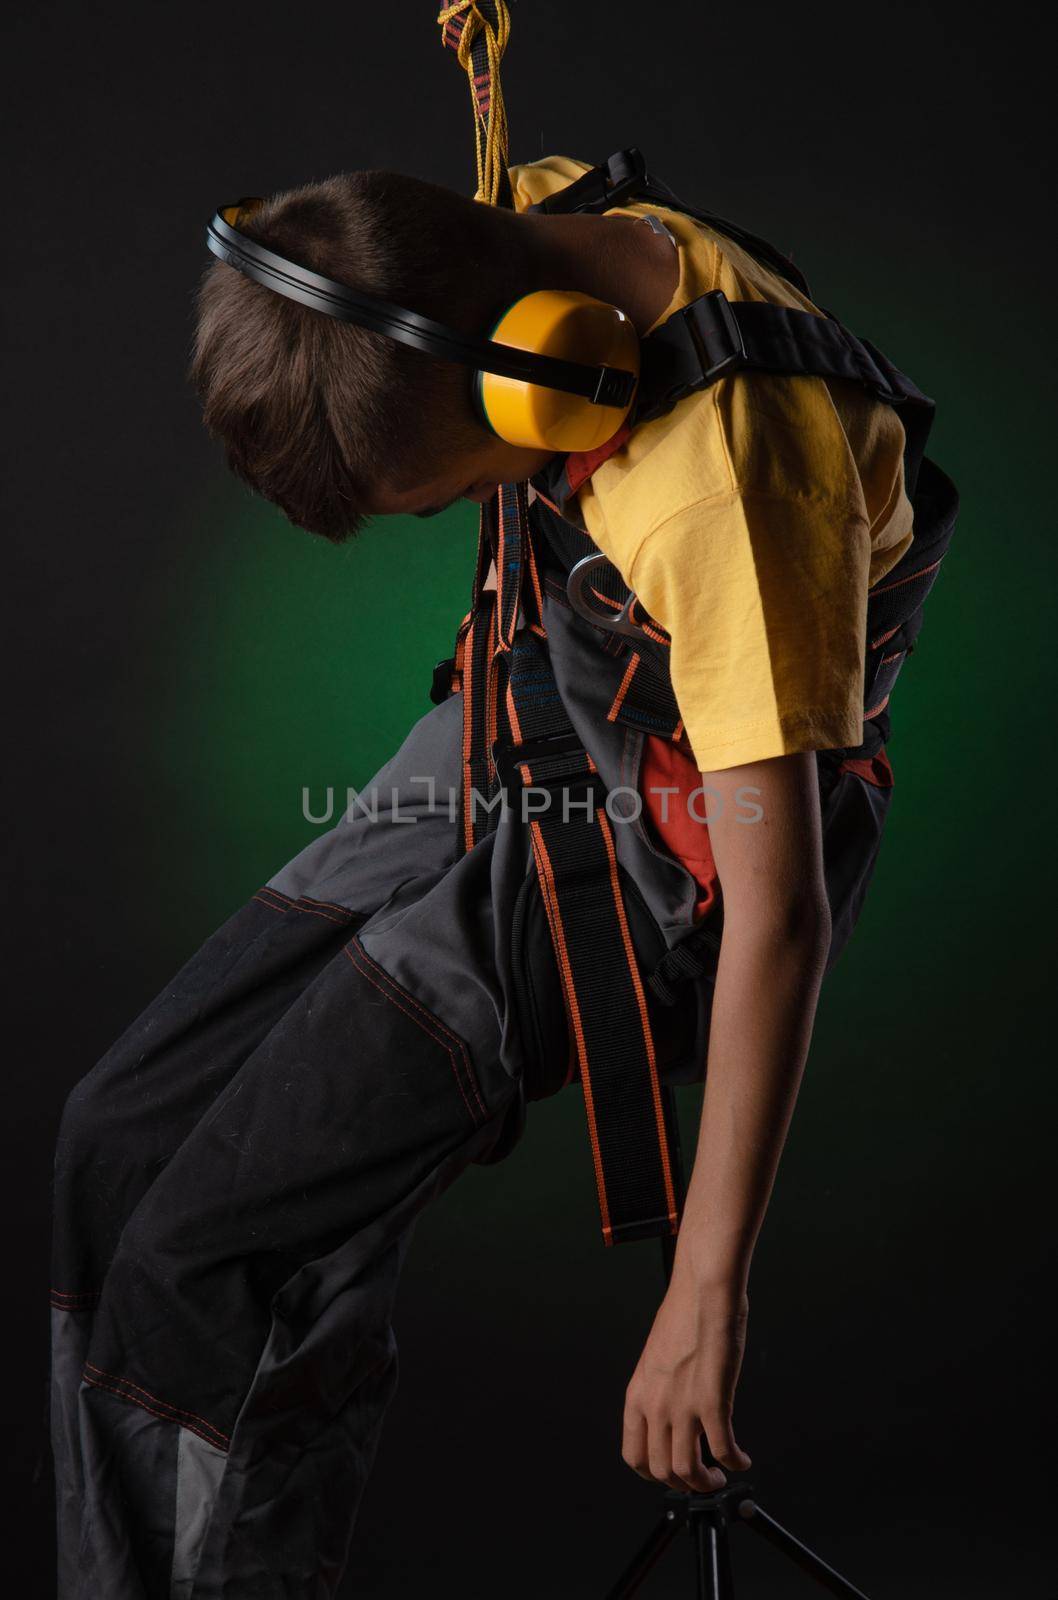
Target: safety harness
517, 734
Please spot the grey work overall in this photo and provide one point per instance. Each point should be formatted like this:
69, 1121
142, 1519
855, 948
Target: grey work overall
236, 1181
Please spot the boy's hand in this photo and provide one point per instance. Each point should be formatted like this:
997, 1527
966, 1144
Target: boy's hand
684, 1387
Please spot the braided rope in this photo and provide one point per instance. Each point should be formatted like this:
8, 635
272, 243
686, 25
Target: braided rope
464, 26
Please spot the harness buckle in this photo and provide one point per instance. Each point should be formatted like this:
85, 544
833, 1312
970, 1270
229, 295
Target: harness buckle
691, 350
441, 683
603, 186
615, 387
507, 758
715, 334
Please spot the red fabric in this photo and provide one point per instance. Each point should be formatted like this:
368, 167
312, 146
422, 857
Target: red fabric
667, 765
580, 464
671, 766
875, 769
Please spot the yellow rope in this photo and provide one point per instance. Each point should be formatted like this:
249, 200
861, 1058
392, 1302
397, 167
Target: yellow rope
492, 162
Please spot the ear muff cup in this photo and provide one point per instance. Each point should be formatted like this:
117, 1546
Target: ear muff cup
573, 327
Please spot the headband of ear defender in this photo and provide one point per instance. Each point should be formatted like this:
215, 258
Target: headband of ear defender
557, 372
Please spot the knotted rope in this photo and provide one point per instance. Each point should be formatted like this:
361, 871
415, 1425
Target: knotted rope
478, 31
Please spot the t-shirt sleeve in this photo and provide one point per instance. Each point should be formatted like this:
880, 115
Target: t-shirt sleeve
764, 598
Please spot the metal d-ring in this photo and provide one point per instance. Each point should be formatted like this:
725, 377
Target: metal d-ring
616, 621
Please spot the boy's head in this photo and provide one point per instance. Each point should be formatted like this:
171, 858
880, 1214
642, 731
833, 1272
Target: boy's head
331, 421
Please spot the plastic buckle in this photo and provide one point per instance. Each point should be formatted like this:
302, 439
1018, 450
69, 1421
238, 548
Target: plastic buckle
441, 686
625, 172
715, 334
603, 186
507, 758
614, 388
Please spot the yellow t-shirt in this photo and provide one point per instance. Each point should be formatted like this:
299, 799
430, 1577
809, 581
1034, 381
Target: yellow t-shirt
751, 520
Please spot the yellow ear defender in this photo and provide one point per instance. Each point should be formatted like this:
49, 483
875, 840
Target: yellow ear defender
573, 327
558, 373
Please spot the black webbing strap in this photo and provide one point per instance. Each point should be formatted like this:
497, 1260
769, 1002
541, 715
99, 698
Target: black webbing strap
499, 652
508, 515
478, 648
548, 773
609, 184
894, 606
715, 336
644, 697
623, 179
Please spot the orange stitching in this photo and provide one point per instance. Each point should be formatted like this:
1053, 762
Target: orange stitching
160, 1415
648, 1040
512, 715
535, 580
394, 1001
260, 897
168, 1404
549, 503
469, 690
502, 583
310, 899
311, 911
896, 583
437, 1023
630, 673
883, 638
456, 1040
492, 695
545, 877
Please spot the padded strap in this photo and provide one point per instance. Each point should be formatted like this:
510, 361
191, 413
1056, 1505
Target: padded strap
714, 336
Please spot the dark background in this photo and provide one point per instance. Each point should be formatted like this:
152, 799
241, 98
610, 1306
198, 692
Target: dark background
182, 662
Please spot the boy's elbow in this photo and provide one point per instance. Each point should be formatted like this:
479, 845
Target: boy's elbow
807, 921
795, 920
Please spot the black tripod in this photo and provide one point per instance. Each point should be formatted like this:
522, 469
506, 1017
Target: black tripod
708, 1517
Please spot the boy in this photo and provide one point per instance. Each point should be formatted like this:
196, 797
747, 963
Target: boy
237, 1179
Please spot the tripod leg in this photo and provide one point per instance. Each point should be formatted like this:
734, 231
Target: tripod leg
799, 1553
644, 1559
714, 1559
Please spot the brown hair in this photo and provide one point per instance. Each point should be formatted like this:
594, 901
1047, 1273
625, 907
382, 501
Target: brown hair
312, 412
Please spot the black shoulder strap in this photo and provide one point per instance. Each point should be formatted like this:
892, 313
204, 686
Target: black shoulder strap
714, 336
624, 177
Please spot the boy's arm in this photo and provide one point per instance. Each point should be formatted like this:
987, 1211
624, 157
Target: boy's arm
775, 942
